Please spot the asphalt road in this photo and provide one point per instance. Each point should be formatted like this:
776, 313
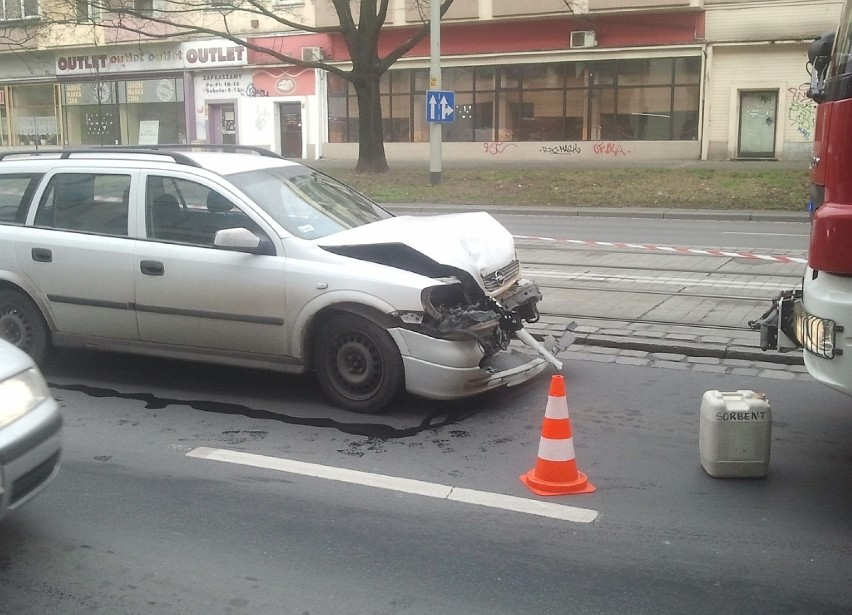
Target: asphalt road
135, 525
145, 517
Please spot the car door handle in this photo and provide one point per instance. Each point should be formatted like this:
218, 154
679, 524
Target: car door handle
42, 255
152, 268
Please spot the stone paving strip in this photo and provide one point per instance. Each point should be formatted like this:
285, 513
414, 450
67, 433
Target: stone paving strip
674, 347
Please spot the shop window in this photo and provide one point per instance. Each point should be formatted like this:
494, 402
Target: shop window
632, 99
457, 79
33, 117
687, 70
462, 128
153, 111
544, 76
483, 117
397, 124
645, 72
485, 78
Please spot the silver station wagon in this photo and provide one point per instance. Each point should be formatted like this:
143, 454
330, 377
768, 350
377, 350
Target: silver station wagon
242, 257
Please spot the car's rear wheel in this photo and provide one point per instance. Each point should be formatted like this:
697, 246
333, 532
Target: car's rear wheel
358, 364
22, 325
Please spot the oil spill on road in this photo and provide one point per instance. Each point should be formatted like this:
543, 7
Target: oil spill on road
380, 431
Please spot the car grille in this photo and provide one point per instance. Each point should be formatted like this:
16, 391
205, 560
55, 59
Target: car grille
30, 481
498, 279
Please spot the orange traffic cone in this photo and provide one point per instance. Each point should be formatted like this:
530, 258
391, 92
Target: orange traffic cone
555, 471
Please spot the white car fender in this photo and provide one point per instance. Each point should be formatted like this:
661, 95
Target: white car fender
300, 324
24, 284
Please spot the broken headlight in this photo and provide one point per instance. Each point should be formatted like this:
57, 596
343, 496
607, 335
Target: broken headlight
453, 314
519, 305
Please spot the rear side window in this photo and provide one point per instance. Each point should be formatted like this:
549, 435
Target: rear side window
87, 202
16, 191
184, 211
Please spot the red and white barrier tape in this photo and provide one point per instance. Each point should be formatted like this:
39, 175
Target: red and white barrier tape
640, 246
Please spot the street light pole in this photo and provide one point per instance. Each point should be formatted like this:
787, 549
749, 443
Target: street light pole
435, 84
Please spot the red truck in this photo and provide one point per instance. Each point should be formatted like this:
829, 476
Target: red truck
815, 317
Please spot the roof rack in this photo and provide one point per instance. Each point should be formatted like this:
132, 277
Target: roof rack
66, 153
153, 150
216, 147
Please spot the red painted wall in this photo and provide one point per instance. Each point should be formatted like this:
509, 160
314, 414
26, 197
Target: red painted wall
624, 30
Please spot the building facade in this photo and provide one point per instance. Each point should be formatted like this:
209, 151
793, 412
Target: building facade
605, 80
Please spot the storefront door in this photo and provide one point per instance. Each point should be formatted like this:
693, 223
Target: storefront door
290, 115
758, 112
222, 122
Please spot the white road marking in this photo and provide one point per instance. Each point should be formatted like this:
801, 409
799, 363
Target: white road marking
395, 483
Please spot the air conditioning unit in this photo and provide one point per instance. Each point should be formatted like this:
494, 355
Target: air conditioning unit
583, 39
311, 54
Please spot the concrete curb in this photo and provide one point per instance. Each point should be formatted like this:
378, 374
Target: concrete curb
689, 349
606, 212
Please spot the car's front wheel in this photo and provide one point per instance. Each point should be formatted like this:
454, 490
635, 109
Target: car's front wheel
358, 364
22, 325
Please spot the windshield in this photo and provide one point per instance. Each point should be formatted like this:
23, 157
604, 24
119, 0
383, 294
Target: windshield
840, 64
307, 203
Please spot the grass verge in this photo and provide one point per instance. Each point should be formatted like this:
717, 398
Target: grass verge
775, 189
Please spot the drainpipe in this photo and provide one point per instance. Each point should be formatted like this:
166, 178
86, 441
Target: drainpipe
705, 111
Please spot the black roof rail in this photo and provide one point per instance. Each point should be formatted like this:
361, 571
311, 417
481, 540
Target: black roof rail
155, 150
65, 153
215, 147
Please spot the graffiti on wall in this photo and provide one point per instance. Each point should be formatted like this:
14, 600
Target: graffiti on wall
565, 149
611, 149
497, 147
802, 110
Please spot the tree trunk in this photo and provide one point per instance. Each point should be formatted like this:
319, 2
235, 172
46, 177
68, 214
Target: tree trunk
371, 144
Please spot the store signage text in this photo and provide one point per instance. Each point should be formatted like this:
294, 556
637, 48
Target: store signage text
189, 55
214, 55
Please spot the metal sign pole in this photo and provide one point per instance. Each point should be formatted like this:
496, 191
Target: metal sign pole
435, 84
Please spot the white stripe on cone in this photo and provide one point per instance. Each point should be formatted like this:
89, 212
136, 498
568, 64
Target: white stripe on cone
556, 450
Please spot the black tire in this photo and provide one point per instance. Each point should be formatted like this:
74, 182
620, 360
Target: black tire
358, 364
22, 325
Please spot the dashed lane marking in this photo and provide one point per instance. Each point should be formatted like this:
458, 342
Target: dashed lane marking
699, 251
404, 485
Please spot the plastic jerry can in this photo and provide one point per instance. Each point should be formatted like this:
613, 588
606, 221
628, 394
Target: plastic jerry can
735, 434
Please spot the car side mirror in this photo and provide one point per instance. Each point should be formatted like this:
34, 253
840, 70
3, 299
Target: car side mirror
819, 55
242, 240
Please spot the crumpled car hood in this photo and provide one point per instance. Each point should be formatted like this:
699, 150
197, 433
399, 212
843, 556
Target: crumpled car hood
472, 242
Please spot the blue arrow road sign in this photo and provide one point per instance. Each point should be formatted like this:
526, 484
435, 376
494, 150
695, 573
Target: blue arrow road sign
440, 106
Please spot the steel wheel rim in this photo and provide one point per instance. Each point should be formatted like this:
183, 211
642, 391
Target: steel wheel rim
16, 328
356, 365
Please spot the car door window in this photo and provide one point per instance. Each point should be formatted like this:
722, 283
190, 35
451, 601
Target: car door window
16, 191
185, 211
86, 202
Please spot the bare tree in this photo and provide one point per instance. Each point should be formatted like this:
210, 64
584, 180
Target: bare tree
360, 24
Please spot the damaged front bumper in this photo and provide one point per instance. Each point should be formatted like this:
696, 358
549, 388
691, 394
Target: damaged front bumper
787, 326
456, 368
